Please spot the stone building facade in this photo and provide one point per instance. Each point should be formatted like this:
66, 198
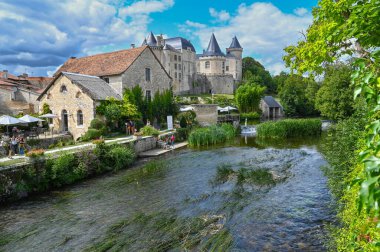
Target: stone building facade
73, 98
270, 108
210, 72
124, 69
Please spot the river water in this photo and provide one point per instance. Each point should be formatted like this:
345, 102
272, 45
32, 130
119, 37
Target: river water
273, 198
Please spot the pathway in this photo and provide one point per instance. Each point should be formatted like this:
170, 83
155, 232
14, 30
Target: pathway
159, 151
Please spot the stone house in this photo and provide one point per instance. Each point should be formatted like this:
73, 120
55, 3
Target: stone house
74, 98
18, 94
123, 69
270, 108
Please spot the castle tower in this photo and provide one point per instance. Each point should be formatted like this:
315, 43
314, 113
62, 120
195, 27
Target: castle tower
212, 61
234, 59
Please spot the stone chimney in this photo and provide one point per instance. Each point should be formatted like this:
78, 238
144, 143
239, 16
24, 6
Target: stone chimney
25, 75
133, 45
5, 74
159, 40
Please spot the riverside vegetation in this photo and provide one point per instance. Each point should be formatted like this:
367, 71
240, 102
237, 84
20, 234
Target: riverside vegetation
46, 174
211, 135
289, 128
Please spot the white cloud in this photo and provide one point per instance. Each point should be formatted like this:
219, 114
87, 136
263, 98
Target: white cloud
301, 11
220, 16
262, 29
39, 35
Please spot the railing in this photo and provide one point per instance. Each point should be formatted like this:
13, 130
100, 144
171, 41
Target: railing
228, 118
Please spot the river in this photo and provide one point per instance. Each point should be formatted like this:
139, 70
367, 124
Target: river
249, 195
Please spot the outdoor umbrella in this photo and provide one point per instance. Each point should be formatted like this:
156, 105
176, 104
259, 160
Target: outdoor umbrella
30, 119
184, 109
9, 120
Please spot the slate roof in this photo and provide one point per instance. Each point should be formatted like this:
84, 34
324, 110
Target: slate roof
179, 43
271, 102
235, 43
213, 48
103, 64
151, 40
95, 87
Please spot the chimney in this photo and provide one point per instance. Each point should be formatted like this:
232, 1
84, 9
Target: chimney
133, 45
25, 75
5, 74
72, 57
159, 40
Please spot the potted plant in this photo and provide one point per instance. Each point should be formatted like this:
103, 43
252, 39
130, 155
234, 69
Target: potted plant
36, 155
137, 135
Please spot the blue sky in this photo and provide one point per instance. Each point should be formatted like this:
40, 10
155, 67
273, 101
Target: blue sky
37, 36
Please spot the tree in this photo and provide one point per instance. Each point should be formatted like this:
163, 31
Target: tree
335, 97
248, 97
279, 80
254, 71
347, 28
297, 96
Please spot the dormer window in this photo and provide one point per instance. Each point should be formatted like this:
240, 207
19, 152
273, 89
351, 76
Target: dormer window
63, 89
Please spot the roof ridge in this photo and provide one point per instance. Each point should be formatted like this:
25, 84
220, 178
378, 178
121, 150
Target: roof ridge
78, 74
130, 49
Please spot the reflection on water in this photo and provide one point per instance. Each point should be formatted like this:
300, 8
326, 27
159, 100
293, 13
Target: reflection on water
288, 213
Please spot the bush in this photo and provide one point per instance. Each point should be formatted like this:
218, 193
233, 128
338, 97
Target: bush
211, 135
35, 153
98, 124
182, 134
289, 128
120, 156
62, 170
250, 116
182, 122
91, 134
149, 131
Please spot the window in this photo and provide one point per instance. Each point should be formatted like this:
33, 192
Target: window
79, 118
49, 96
175, 75
227, 68
179, 67
147, 74
175, 57
207, 64
179, 58
148, 95
78, 94
175, 66
179, 76
222, 65
63, 89
106, 79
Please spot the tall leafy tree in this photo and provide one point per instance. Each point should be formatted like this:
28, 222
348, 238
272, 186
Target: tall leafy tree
335, 97
248, 97
256, 72
349, 28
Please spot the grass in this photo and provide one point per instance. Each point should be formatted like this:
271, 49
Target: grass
211, 135
289, 128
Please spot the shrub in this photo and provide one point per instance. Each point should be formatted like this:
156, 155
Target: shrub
149, 131
289, 128
35, 153
182, 122
250, 116
182, 134
98, 124
120, 156
98, 141
91, 134
62, 170
211, 135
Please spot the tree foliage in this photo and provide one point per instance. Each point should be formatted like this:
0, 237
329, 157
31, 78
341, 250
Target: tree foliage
254, 71
248, 97
297, 96
340, 29
335, 97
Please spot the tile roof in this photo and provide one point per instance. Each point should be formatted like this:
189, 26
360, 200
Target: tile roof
179, 43
40, 82
271, 102
103, 64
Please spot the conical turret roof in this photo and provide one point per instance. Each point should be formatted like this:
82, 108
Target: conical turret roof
235, 43
151, 40
213, 48
144, 42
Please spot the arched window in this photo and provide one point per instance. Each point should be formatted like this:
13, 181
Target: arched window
78, 94
63, 89
79, 118
207, 64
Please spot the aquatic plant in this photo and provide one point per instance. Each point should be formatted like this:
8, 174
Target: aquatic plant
256, 176
211, 135
289, 128
165, 231
223, 172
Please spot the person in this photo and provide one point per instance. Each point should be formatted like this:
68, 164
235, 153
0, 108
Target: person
147, 122
172, 138
14, 145
14, 131
128, 124
167, 142
22, 145
132, 127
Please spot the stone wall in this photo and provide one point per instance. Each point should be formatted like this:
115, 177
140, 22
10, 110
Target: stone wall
217, 84
135, 75
72, 101
207, 114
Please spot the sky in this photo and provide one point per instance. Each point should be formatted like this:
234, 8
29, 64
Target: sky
37, 36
